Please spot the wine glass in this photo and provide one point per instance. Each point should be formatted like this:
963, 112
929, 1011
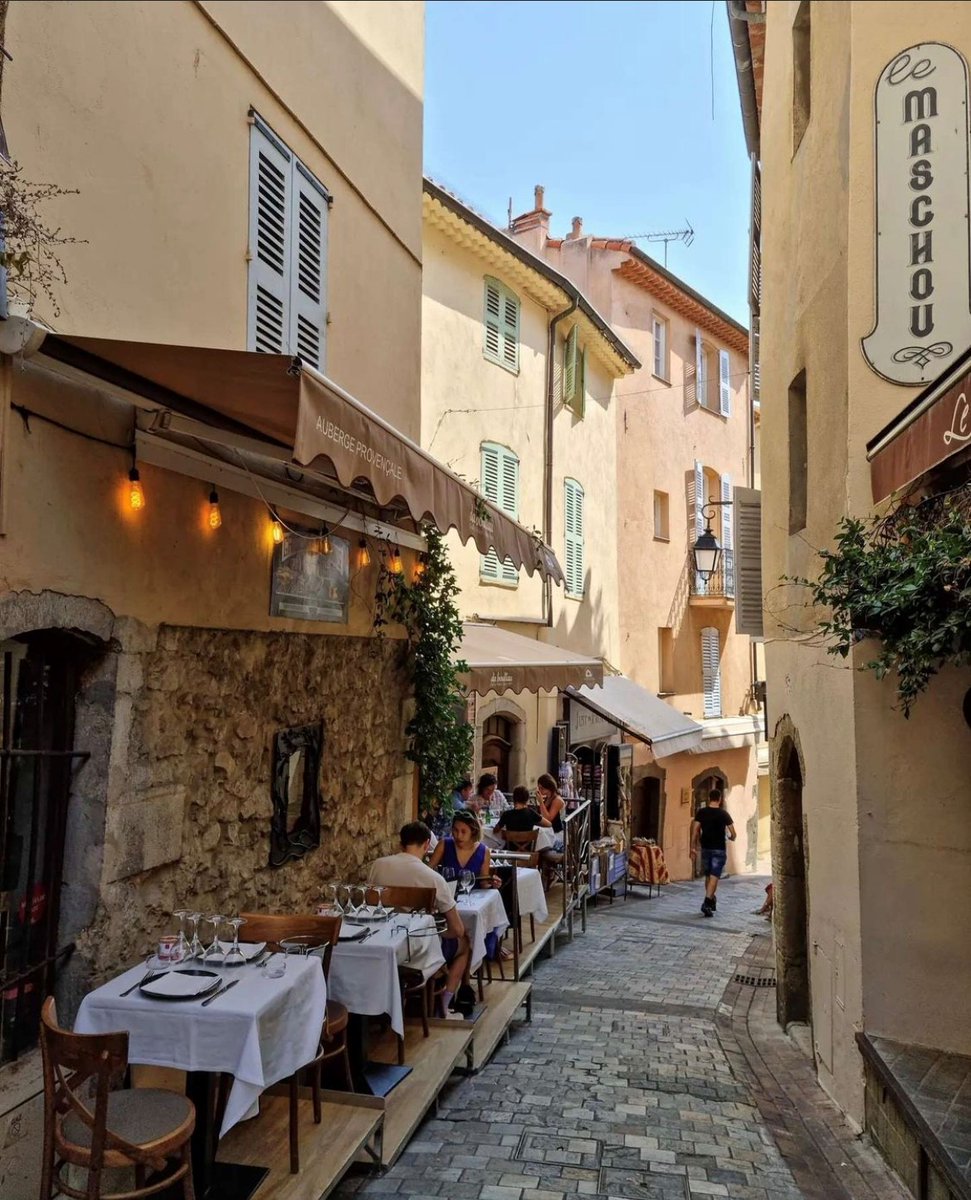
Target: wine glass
335, 905
234, 955
448, 874
360, 891
195, 945
183, 949
214, 950
344, 889
466, 882
380, 911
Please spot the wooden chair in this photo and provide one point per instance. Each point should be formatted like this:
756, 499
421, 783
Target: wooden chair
135, 1127
414, 986
524, 842
317, 932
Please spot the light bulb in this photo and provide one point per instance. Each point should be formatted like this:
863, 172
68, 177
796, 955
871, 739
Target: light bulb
320, 545
363, 554
136, 496
420, 565
277, 531
396, 567
215, 516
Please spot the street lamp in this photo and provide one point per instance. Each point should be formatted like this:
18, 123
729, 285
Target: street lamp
706, 550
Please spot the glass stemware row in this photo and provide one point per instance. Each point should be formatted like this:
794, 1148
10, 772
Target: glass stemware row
465, 878
192, 947
350, 899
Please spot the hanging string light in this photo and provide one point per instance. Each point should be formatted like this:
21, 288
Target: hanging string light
215, 518
136, 495
321, 544
276, 530
395, 566
421, 565
363, 554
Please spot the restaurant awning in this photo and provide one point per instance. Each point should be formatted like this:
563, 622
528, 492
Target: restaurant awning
276, 398
641, 714
933, 427
500, 661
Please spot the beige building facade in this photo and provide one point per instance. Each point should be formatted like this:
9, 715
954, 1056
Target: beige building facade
846, 106
533, 432
684, 437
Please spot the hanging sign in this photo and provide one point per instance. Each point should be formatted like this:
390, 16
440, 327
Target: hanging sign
923, 246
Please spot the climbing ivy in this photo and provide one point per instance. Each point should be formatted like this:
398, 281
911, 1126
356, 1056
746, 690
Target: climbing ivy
904, 579
439, 739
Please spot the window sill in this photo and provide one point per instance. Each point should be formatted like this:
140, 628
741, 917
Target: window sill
579, 597
660, 537
497, 362
714, 412
665, 695
661, 378
498, 583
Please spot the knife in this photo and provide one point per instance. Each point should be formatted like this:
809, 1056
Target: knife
220, 992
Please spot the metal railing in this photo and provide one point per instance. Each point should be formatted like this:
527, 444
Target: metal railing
721, 584
576, 865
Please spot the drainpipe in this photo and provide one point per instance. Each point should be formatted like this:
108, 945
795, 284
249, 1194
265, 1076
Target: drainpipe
548, 452
738, 22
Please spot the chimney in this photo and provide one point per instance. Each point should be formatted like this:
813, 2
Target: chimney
577, 230
537, 218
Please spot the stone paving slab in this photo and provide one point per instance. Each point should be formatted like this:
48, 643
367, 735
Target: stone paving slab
634, 1082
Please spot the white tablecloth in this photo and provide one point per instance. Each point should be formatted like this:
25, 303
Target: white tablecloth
545, 838
260, 1032
364, 975
482, 912
532, 899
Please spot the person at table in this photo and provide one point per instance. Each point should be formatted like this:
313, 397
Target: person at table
550, 803
407, 869
462, 796
487, 798
521, 818
464, 850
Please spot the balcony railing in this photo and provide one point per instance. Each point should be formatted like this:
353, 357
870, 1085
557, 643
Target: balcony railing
721, 586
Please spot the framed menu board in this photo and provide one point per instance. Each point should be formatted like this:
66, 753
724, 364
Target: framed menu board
308, 585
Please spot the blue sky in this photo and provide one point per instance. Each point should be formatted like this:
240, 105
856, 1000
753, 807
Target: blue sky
609, 106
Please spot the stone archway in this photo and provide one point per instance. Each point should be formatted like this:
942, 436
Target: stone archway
515, 757
789, 870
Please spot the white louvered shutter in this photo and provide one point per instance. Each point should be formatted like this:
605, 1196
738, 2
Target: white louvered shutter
691, 375
500, 484
271, 167
570, 367
493, 320
724, 383
308, 282
728, 554
748, 561
701, 369
573, 523
696, 521
711, 672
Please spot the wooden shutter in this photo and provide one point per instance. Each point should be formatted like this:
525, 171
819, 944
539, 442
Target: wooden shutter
500, 484
573, 524
660, 348
570, 366
701, 370
724, 383
691, 375
748, 561
711, 672
728, 555
501, 317
696, 522
510, 331
271, 167
308, 292
493, 320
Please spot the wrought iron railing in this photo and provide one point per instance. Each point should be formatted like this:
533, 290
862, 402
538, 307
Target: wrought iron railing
576, 864
721, 583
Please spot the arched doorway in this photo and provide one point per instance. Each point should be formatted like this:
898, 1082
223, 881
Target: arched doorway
497, 749
791, 909
701, 787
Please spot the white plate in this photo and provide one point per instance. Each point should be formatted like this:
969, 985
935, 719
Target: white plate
250, 951
351, 933
181, 985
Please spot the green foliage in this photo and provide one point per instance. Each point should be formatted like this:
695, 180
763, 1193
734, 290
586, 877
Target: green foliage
906, 580
440, 741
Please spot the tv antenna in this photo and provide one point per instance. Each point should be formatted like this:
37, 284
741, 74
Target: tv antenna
686, 235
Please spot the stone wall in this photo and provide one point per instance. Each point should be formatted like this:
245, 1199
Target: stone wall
188, 816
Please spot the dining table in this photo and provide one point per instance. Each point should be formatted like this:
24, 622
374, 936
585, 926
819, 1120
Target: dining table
545, 837
259, 1032
482, 912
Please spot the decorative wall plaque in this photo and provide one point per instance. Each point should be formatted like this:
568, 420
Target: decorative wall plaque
923, 245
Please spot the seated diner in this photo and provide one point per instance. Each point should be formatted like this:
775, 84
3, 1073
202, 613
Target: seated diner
464, 850
487, 798
408, 869
550, 803
521, 818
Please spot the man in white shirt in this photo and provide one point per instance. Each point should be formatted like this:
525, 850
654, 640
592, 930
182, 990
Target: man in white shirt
406, 869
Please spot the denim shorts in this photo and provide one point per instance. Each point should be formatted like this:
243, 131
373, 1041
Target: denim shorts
713, 862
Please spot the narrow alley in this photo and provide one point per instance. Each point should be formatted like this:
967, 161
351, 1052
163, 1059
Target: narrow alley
649, 1073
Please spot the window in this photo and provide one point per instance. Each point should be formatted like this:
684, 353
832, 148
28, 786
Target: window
660, 331
574, 537
500, 484
574, 373
662, 529
724, 383
701, 371
747, 511
501, 344
798, 454
801, 72
711, 672
665, 660
288, 252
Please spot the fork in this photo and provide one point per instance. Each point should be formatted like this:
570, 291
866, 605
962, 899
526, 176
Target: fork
146, 979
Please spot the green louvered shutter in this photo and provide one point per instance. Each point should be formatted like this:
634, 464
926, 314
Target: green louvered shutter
500, 484
573, 524
501, 344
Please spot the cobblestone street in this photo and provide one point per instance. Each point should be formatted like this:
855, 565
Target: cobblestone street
633, 1083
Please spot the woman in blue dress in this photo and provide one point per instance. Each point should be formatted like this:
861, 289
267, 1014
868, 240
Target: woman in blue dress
464, 850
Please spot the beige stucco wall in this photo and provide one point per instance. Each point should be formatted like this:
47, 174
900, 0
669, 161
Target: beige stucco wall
882, 797
143, 108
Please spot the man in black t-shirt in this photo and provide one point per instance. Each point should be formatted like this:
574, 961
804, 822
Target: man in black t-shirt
520, 818
708, 833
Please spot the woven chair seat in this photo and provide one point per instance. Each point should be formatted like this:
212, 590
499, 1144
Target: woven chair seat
141, 1116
